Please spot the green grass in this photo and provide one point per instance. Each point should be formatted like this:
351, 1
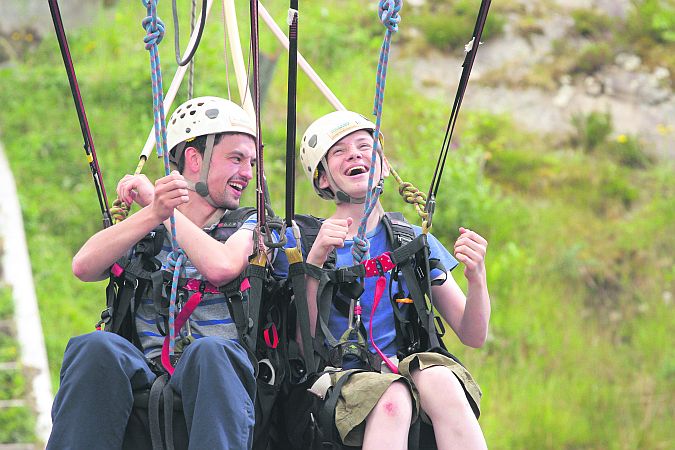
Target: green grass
582, 238
17, 423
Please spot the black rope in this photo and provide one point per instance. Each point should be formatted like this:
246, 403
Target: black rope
291, 112
255, 95
176, 37
81, 114
461, 89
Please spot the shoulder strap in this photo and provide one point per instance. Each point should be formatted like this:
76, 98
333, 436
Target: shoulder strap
231, 221
399, 230
309, 229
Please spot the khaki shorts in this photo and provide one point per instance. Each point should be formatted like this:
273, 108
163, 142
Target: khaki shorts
363, 390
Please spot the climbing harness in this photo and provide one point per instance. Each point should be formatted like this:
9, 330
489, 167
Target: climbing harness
471, 49
81, 114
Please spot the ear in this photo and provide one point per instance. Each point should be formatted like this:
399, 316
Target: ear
385, 166
193, 160
323, 180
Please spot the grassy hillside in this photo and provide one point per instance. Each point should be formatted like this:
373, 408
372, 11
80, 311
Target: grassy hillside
581, 227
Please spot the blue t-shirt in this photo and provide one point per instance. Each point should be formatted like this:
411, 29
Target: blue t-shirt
384, 331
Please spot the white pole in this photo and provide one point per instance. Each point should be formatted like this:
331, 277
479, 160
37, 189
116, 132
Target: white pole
302, 62
170, 95
238, 57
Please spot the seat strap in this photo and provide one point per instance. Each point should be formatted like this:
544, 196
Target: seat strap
153, 411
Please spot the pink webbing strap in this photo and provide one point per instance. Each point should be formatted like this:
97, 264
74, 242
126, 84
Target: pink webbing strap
183, 316
379, 266
245, 285
116, 270
273, 341
195, 285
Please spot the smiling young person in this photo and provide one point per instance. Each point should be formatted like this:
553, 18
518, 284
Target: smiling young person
376, 407
212, 144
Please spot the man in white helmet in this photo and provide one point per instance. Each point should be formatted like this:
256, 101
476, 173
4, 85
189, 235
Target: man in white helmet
213, 148
375, 409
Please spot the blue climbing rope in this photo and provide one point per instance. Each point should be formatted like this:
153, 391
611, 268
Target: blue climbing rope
389, 16
155, 33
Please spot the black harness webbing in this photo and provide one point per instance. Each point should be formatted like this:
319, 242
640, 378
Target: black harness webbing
296, 273
291, 111
257, 276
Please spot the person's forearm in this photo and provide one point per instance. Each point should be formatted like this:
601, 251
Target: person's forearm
218, 262
92, 261
474, 325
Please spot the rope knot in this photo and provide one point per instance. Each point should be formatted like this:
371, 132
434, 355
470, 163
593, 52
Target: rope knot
155, 29
360, 249
388, 11
175, 258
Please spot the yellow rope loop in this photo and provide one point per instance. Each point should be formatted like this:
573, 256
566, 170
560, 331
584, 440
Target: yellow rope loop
410, 193
119, 211
426, 227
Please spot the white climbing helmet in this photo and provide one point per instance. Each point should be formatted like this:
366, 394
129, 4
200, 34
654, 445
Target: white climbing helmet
319, 138
204, 116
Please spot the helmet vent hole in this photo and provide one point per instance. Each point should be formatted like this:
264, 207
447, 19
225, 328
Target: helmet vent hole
182, 115
200, 104
312, 141
187, 130
192, 113
173, 121
188, 106
212, 113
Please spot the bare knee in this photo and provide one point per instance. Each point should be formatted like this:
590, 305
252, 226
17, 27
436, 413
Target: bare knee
440, 391
396, 402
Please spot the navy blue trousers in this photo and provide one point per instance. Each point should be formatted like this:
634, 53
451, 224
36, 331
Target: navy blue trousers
101, 370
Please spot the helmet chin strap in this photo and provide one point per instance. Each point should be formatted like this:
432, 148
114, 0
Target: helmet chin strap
201, 187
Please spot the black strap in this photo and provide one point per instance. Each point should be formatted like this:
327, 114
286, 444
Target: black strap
257, 275
153, 411
414, 435
404, 258
176, 40
167, 393
327, 411
461, 89
296, 273
291, 111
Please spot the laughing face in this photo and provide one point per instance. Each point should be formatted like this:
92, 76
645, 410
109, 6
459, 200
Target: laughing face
231, 169
349, 164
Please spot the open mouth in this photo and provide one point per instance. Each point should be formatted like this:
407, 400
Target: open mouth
237, 186
356, 170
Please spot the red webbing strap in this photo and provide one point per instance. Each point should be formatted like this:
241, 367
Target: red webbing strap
185, 312
379, 266
271, 341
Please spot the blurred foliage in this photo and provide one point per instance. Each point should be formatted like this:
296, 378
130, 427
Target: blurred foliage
448, 24
581, 230
591, 129
16, 425
16, 422
652, 19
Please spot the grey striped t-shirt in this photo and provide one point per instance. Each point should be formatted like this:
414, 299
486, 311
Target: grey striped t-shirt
210, 318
